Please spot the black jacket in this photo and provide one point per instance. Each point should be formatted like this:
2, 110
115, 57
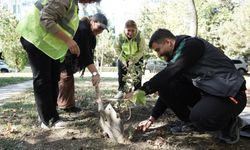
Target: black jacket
86, 41
204, 65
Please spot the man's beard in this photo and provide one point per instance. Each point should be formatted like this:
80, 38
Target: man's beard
167, 56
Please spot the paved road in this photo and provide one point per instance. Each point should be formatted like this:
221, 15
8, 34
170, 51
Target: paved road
12, 90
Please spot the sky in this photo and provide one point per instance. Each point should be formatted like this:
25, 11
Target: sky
119, 11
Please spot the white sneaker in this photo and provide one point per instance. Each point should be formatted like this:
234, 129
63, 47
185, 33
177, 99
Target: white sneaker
60, 124
43, 126
119, 95
57, 125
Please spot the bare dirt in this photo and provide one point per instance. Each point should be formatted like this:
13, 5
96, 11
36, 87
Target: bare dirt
84, 131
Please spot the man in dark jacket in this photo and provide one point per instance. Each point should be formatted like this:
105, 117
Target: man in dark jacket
85, 37
200, 84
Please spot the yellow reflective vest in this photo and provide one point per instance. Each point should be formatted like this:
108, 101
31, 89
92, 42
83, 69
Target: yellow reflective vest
31, 29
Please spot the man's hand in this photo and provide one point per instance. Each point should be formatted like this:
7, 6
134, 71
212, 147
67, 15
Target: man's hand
96, 79
73, 47
144, 125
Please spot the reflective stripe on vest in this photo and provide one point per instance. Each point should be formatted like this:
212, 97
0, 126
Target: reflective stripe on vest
32, 30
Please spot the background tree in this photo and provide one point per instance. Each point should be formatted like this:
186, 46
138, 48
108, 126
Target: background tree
12, 51
235, 33
104, 51
193, 29
211, 15
163, 14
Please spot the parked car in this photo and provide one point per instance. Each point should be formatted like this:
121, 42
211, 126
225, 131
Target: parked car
4, 67
240, 65
155, 65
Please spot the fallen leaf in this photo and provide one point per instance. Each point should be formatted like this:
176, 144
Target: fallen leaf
10, 128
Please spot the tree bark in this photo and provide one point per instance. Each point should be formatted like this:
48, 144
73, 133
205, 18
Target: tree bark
193, 29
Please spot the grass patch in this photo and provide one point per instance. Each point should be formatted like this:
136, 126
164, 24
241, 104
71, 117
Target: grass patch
13, 80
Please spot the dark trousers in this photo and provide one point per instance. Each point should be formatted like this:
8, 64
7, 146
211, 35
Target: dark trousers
45, 82
206, 111
122, 71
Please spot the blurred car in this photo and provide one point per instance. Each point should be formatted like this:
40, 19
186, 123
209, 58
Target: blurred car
240, 65
4, 67
155, 65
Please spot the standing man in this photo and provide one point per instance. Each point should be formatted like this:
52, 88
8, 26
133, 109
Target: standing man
201, 85
89, 28
129, 46
47, 33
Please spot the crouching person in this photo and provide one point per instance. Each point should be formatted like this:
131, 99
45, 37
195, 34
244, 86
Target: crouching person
200, 85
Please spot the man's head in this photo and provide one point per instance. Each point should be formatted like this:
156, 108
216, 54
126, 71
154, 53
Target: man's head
98, 23
130, 29
89, 1
162, 42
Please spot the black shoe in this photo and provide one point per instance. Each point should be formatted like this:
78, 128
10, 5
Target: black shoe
231, 134
72, 109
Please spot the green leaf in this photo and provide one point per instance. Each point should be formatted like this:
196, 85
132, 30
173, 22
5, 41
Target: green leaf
139, 97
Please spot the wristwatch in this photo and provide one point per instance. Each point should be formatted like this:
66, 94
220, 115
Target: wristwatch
94, 73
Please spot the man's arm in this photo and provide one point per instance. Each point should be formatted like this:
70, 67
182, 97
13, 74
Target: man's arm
158, 109
191, 53
50, 14
53, 11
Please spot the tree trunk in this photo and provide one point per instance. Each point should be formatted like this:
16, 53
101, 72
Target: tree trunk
193, 29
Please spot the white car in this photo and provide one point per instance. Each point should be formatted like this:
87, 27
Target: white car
240, 65
155, 65
3, 67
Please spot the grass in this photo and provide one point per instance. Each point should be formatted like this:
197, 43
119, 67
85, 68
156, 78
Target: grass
13, 80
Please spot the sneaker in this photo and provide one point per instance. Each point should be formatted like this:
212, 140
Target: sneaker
231, 134
43, 126
184, 127
57, 125
119, 95
72, 109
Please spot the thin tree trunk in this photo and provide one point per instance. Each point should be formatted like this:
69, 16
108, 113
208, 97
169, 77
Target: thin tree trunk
193, 30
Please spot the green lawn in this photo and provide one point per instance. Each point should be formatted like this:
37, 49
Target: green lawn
13, 80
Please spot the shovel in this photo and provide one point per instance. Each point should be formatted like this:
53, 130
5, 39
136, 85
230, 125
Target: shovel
110, 120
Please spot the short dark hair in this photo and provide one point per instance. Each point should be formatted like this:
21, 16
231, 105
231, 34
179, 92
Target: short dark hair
130, 23
159, 35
